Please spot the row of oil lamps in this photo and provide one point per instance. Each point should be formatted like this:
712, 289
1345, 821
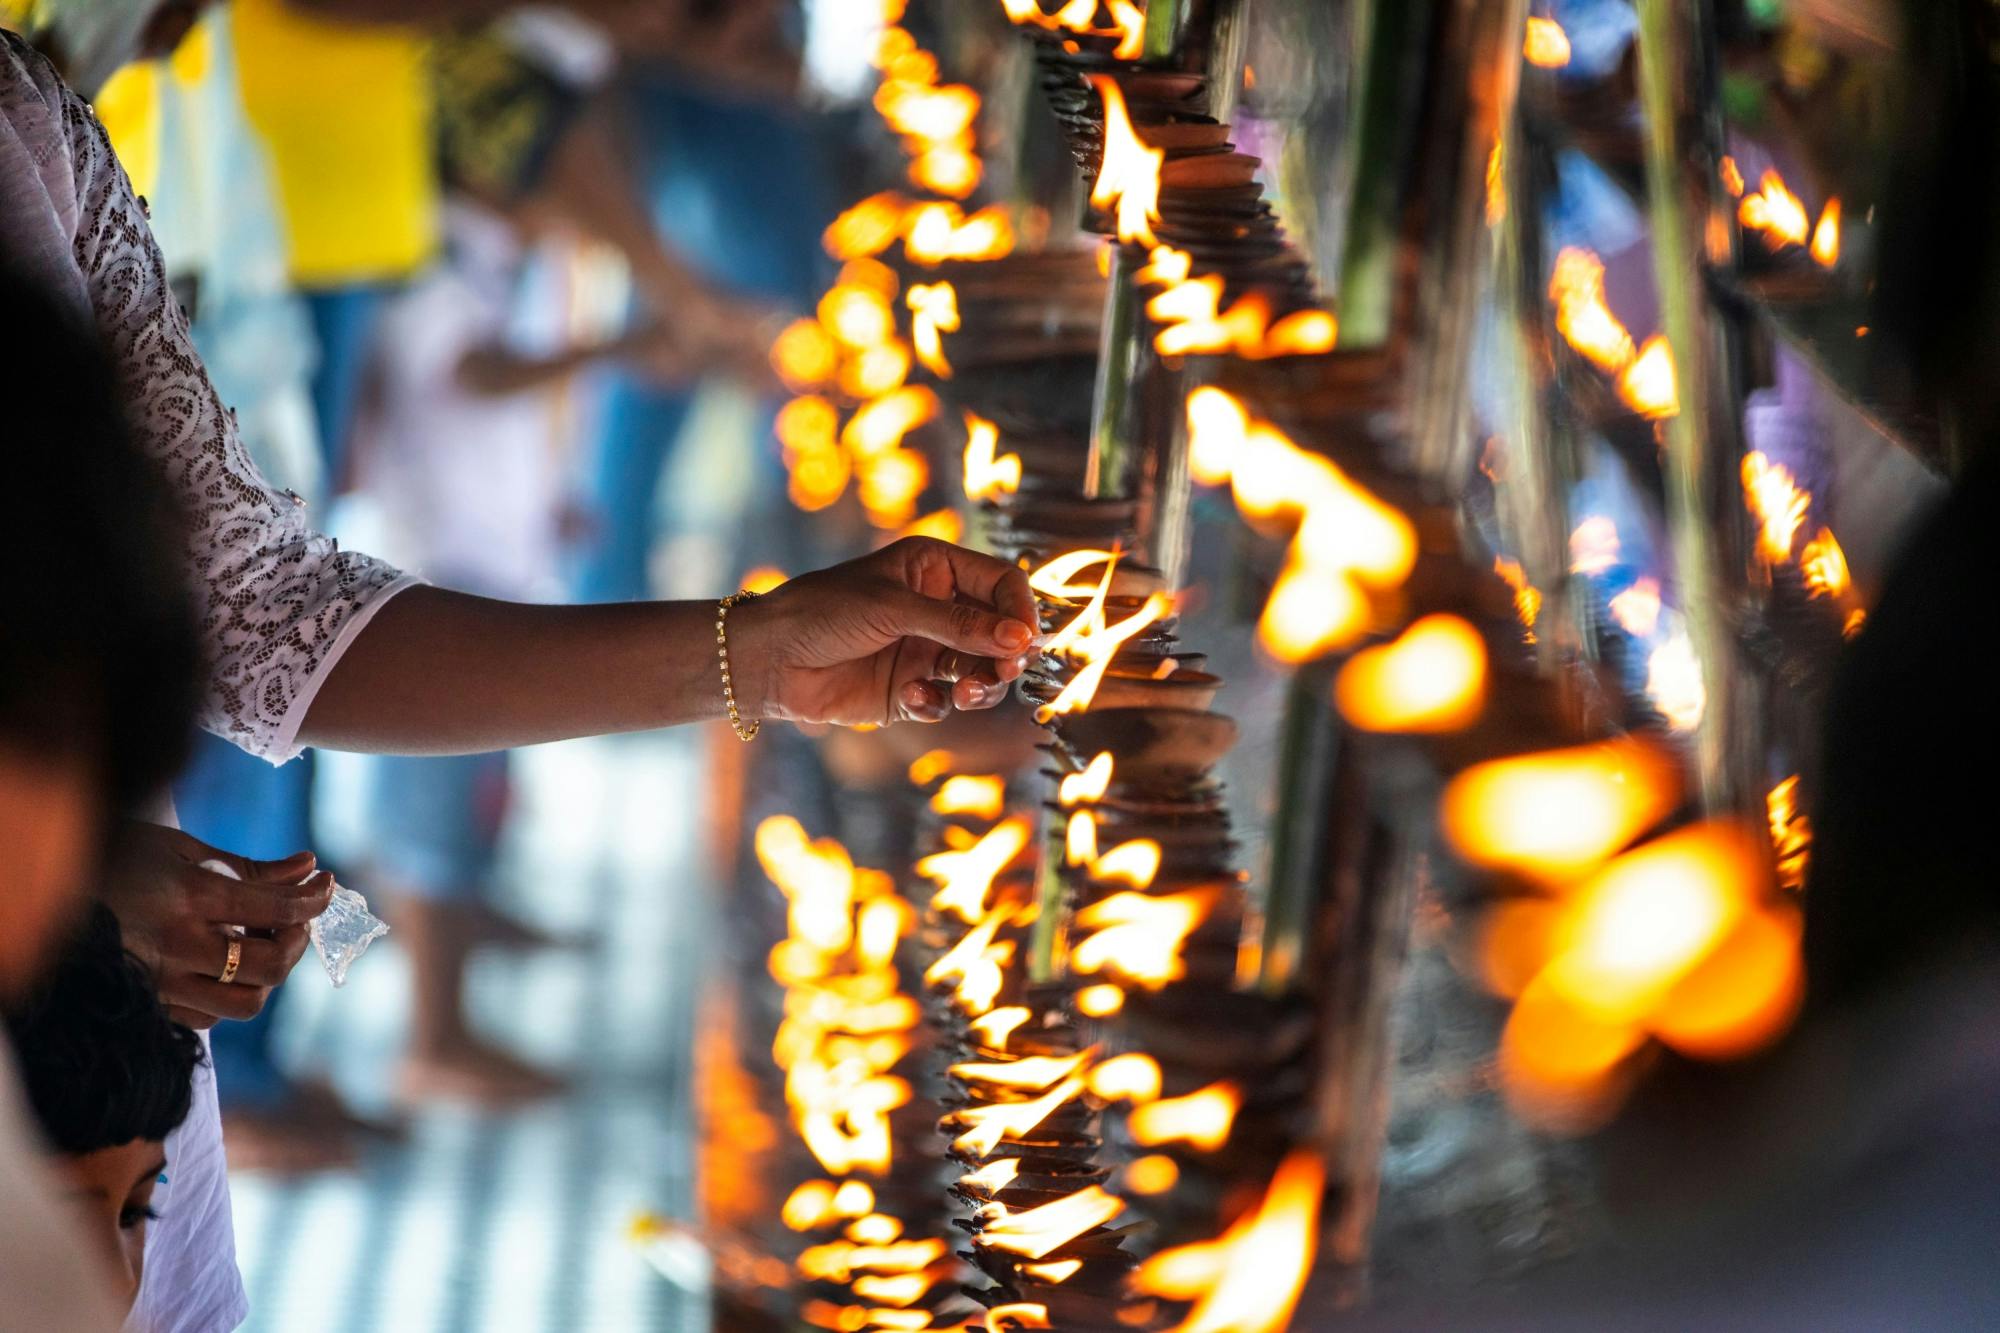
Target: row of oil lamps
1039, 1073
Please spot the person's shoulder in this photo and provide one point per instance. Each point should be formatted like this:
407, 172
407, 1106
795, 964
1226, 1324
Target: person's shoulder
26, 74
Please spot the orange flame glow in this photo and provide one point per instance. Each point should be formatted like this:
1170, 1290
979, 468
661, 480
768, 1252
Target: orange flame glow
1775, 211
1155, 1173
988, 474
1250, 1279
1140, 936
1038, 1232
1826, 235
995, 1028
1527, 597
929, 766
869, 227
980, 797
1546, 44
1791, 833
879, 427
940, 231
1824, 566
1096, 650
988, 1126
1778, 505
1431, 679
1554, 815
1129, 176
1032, 1074
1126, 1078
965, 877
1089, 784
1134, 863
1201, 1120
804, 355
1100, 1001
1080, 839
1582, 315
1648, 385
1054, 578
933, 313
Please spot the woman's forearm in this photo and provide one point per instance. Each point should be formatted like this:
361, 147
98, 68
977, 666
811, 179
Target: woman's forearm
440, 672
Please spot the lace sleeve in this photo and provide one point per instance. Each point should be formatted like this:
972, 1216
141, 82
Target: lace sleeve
278, 602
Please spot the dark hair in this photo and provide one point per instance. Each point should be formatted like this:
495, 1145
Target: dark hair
101, 1061
98, 654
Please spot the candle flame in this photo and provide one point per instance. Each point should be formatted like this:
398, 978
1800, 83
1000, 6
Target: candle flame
1126, 1078
1088, 785
1100, 1001
1546, 44
1054, 578
933, 313
1038, 1232
995, 1176
1583, 316
1080, 839
869, 227
1095, 649
1776, 502
1249, 1280
1134, 863
1554, 815
988, 475
929, 766
1647, 385
1201, 1120
995, 1028
1824, 566
1155, 1173
1431, 679
1129, 176
965, 877
990, 1125
1033, 1074
1775, 211
879, 427
980, 797
804, 355
940, 230
1140, 936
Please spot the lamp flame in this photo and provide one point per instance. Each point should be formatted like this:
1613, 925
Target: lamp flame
980, 797
1038, 1232
1775, 211
1776, 502
1249, 1280
1431, 679
1546, 44
988, 1126
1129, 176
1201, 1119
1554, 815
933, 313
1140, 936
988, 475
1089, 784
965, 877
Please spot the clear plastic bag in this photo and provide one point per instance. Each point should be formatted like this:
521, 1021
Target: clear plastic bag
340, 934
343, 932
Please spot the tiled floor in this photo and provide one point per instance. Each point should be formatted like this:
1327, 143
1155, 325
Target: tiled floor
517, 1222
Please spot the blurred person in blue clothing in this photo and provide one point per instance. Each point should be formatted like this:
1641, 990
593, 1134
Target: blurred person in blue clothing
740, 185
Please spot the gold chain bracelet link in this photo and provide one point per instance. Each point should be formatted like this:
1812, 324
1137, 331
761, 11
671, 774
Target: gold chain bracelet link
745, 731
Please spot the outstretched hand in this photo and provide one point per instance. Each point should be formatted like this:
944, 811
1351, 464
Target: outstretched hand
908, 633
178, 919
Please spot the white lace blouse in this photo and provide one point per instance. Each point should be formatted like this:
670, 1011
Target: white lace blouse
278, 602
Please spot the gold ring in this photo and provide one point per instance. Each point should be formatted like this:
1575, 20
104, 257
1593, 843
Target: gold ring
232, 962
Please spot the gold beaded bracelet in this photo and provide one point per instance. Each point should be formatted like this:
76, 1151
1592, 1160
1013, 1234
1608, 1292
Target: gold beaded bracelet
745, 731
